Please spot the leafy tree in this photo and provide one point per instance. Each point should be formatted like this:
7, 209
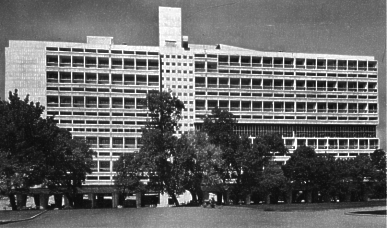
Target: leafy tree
34, 151
160, 152
129, 173
243, 162
272, 181
301, 170
378, 159
19, 155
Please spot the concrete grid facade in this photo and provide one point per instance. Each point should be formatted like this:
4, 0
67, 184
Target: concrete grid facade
95, 89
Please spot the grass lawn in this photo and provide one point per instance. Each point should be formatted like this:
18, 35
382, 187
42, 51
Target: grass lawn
229, 216
16, 215
314, 206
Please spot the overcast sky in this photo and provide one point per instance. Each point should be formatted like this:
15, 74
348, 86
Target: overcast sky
351, 27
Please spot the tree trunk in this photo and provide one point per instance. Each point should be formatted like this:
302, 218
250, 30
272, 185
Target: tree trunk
173, 195
194, 196
268, 198
308, 196
12, 201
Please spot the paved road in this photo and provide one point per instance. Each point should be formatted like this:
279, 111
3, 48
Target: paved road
202, 217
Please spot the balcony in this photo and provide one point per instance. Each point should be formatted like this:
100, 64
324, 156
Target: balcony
322, 147
65, 104
104, 145
289, 109
103, 106
278, 110
200, 108
311, 110
373, 111
342, 110
321, 88
257, 109
301, 110
353, 147
333, 147
343, 147
91, 105
118, 145
374, 147
81, 105
363, 147
289, 87
52, 104
129, 106
289, 146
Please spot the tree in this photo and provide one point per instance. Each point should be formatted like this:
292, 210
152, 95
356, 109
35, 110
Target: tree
202, 158
243, 161
378, 159
34, 151
19, 155
272, 181
301, 170
159, 151
129, 172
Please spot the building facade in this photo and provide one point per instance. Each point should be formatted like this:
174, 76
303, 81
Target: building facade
95, 90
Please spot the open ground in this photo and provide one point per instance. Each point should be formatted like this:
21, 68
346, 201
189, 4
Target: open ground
204, 217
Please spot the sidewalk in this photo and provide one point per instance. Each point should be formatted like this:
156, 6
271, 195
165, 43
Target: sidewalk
18, 216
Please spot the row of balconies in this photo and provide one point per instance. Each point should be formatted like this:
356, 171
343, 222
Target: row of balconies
276, 94
269, 106
100, 51
102, 78
286, 62
333, 144
277, 73
271, 87
96, 102
284, 84
101, 62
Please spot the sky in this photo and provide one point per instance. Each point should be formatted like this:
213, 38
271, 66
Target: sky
349, 27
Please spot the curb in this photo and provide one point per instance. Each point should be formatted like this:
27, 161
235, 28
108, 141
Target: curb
358, 214
21, 220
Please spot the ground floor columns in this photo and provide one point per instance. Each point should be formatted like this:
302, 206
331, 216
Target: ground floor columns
93, 201
219, 198
21, 200
43, 199
138, 199
248, 199
115, 199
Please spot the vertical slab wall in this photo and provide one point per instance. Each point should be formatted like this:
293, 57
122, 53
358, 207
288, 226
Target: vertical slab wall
25, 69
169, 26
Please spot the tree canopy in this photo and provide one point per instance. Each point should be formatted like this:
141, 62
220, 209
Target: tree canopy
34, 151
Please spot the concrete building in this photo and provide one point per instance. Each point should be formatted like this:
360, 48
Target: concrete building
95, 89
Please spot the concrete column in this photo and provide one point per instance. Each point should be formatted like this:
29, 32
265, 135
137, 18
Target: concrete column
219, 198
43, 201
248, 199
66, 201
226, 198
21, 200
268, 198
206, 195
37, 201
138, 199
58, 200
93, 202
308, 196
289, 196
115, 198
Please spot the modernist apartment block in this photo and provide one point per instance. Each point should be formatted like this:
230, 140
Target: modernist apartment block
96, 90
